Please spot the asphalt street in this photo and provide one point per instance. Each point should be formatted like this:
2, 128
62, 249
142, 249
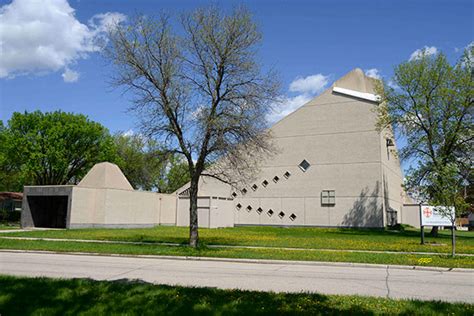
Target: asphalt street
382, 281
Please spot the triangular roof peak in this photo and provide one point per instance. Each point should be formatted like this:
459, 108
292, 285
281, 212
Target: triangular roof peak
105, 175
356, 80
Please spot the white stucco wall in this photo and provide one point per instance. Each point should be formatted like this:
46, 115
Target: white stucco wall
337, 135
120, 208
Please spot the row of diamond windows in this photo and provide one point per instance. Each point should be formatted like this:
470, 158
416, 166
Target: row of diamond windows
304, 166
270, 212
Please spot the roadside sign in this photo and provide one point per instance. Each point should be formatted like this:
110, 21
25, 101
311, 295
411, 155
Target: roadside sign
430, 215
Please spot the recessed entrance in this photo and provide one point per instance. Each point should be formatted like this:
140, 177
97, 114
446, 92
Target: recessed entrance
48, 210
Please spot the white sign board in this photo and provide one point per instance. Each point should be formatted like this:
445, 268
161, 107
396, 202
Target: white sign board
430, 215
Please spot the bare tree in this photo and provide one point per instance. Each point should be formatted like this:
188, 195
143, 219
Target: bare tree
200, 90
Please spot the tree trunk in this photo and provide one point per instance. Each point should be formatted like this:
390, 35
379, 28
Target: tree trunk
193, 214
453, 239
434, 231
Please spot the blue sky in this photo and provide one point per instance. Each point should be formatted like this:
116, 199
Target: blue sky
310, 43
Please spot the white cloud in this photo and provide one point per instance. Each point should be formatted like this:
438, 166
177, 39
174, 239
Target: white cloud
427, 50
286, 105
469, 49
373, 73
102, 23
70, 75
311, 84
128, 133
392, 84
307, 88
38, 37
462, 49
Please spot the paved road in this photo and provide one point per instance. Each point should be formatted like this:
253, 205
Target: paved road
280, 277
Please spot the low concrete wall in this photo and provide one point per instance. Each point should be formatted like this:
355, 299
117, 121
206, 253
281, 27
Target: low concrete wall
167, 209
213, 212
411, 215
97, 207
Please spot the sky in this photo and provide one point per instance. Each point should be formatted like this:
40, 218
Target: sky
50, 60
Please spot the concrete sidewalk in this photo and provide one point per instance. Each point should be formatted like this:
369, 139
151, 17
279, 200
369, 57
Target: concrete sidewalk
372, 280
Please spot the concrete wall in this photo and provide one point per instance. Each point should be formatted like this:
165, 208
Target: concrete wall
168, 204
337, 135
392, 177
213, 212
31, 191
121, 208
411, 215
94, 207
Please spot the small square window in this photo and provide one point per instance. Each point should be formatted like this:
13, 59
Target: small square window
244, 190
328, 197
254, 187
304, 165
276, 179
287, 174
259, 210
238, 206
293, 217
265, 183
281, 214
234, 194
249, 208
270, 212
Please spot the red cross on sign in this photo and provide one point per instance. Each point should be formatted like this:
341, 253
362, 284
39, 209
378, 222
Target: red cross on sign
427, 212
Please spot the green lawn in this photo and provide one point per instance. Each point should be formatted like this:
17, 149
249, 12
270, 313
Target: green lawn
317, 238
9, 226
43, 296
307, 239
269, 253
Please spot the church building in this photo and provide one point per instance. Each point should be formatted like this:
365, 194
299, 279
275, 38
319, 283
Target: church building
332, 168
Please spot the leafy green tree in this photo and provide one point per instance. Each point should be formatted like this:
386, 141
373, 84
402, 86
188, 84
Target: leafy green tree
176, 175
431, 106
53, 147
9, 178
142, 161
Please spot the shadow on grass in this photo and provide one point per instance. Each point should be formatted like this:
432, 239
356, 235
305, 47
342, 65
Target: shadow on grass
23, 296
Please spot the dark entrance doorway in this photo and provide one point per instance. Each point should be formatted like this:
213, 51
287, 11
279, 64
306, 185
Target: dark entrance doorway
48, 210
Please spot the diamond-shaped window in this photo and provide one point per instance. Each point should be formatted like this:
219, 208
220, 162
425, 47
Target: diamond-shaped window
304, 165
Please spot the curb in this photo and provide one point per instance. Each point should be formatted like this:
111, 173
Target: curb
254, 261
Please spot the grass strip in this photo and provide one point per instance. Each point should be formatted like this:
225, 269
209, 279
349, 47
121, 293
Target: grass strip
300, 237
8, 227
125, 297
274, 254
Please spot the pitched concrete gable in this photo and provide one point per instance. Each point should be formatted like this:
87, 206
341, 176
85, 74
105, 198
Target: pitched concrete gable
105, 175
